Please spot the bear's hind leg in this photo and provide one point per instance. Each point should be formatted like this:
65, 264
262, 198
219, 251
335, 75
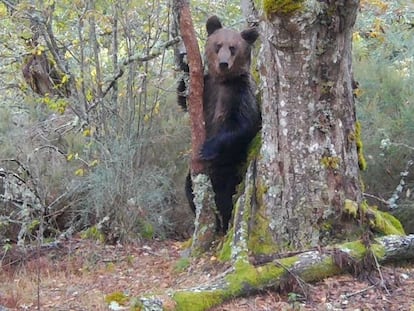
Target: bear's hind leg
189, 192
224, 186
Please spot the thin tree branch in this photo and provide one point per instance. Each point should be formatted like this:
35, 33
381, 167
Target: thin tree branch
375, 197
138, 58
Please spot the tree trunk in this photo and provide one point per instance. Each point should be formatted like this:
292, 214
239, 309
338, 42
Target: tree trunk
204, 232
308, 164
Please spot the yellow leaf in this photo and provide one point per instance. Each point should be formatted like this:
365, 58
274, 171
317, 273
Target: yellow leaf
89, 95
61, 110
69, 157
157, 108
78, 82
38, 50
358, 92
80, 172
65, 79
356, 37
93, 73
147, 118
3, 10
86, 132
94, 162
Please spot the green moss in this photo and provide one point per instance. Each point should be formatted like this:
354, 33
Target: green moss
93, 233
268, 273
118, 297
225, 250
364, 207
187, 244
381, 221
197, 301
261, 190
260, 240
331, 162
254, 68
255, 73
378, 250
351, 207
254, 147
181, 264
281, 6
326, 226
362, 184
252, 153
361, 159
245, 276
360, 146
321, 270
388, 224
356, 249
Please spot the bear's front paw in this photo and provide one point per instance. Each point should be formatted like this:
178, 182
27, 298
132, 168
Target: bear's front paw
210, 150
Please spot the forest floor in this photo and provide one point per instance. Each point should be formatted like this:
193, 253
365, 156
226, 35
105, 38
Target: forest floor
83, 275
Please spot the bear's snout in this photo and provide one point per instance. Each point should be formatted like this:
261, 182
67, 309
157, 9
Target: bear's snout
224, 65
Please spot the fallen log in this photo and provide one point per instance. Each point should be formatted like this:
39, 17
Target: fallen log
244, 278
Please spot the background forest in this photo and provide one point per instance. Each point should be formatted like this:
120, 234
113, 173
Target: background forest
93, 141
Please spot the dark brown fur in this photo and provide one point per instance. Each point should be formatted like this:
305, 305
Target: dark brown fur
231, 113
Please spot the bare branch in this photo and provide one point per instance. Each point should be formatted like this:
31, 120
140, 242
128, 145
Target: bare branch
139, 59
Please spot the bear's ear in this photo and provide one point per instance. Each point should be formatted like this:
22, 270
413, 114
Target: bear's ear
213, 23
250, 35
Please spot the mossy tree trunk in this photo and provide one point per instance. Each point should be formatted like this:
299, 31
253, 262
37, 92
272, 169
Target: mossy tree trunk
308, 166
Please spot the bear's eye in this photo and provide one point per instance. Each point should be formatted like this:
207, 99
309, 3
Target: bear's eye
218, 47
232, 50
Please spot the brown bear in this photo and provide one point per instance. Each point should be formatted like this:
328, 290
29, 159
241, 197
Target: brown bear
231, 113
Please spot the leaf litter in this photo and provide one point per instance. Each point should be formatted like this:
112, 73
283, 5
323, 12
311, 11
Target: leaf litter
82, 273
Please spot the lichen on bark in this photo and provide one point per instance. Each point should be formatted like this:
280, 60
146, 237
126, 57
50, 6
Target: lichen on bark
281, 6
307, 163
205, 225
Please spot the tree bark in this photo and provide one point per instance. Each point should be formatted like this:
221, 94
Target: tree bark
308, 164
205, 224
196, 87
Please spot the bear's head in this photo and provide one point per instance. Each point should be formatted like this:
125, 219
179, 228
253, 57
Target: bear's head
228, 51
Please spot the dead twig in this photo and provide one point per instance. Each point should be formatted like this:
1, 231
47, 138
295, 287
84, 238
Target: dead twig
359, 291
302, 284
138, 58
